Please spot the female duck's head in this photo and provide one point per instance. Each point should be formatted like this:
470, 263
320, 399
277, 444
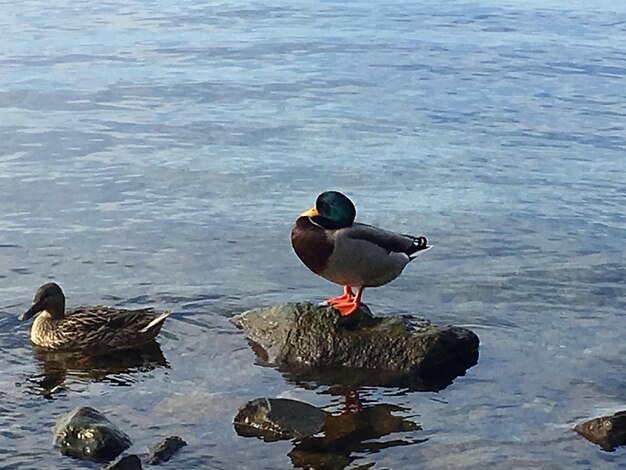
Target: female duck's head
332, 210
48, 297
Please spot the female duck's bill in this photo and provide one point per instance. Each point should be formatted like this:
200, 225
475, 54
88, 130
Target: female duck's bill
48, 297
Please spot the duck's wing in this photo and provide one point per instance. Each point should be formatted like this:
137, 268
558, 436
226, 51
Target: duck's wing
108, 327
391, 242
100, 317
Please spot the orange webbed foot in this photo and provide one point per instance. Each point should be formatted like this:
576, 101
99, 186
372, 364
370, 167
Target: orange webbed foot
347, 296
351, 306
346, 308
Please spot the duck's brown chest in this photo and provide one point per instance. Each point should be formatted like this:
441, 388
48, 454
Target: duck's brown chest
311, 244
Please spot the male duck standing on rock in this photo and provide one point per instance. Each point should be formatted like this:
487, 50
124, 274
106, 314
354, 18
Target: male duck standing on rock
333, 246
88, 328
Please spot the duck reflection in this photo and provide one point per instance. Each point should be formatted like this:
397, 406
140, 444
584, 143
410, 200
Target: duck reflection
324, 440
119, 367
352, 432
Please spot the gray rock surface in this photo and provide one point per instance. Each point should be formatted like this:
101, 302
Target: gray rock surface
278, 418
87, 434
608, 432
313, 342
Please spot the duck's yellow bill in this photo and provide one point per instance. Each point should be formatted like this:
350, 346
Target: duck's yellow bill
310, 213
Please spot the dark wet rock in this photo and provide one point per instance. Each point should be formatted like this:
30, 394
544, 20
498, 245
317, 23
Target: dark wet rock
164, 450
87, 434
608, 432
278, 418
310, 342
161, 452
125, 462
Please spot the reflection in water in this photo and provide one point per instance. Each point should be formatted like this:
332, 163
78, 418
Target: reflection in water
432, 380
114, 367
359, 426
353, 432
323, 440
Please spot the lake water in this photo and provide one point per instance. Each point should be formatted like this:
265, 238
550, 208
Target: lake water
156, 153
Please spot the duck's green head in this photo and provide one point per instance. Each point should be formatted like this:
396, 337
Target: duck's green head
48, 297
332, 210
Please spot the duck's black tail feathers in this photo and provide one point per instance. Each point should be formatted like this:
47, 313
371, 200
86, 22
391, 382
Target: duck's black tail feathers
419, 245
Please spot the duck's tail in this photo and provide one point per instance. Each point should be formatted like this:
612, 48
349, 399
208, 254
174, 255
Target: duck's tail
158, 320
420, 244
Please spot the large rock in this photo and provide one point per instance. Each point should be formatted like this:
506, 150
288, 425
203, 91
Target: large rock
278, 418
608, 432
87, 434
312, 342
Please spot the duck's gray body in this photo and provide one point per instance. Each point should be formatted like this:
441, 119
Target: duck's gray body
361, 255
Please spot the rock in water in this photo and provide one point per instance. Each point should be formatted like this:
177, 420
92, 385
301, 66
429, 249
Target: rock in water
164, 450
304, 339
87, 434
608, 432
278, 418
127, 462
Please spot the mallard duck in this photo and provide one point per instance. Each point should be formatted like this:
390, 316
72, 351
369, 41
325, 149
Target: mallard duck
333, 246
96, 327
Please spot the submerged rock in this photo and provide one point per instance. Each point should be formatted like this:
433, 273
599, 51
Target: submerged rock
126, 462
274, 419
315, 343
608, 432
158, 453
164, 450
87, 434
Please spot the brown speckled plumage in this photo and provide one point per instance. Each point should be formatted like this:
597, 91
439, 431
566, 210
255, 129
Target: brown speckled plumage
87, 328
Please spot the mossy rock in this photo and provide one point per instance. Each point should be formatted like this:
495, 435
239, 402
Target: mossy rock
314, 342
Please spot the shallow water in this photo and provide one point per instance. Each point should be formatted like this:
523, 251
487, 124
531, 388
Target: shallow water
157, 153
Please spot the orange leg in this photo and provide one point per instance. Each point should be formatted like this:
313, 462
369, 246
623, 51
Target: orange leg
348, 295
352, 401
351, 306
